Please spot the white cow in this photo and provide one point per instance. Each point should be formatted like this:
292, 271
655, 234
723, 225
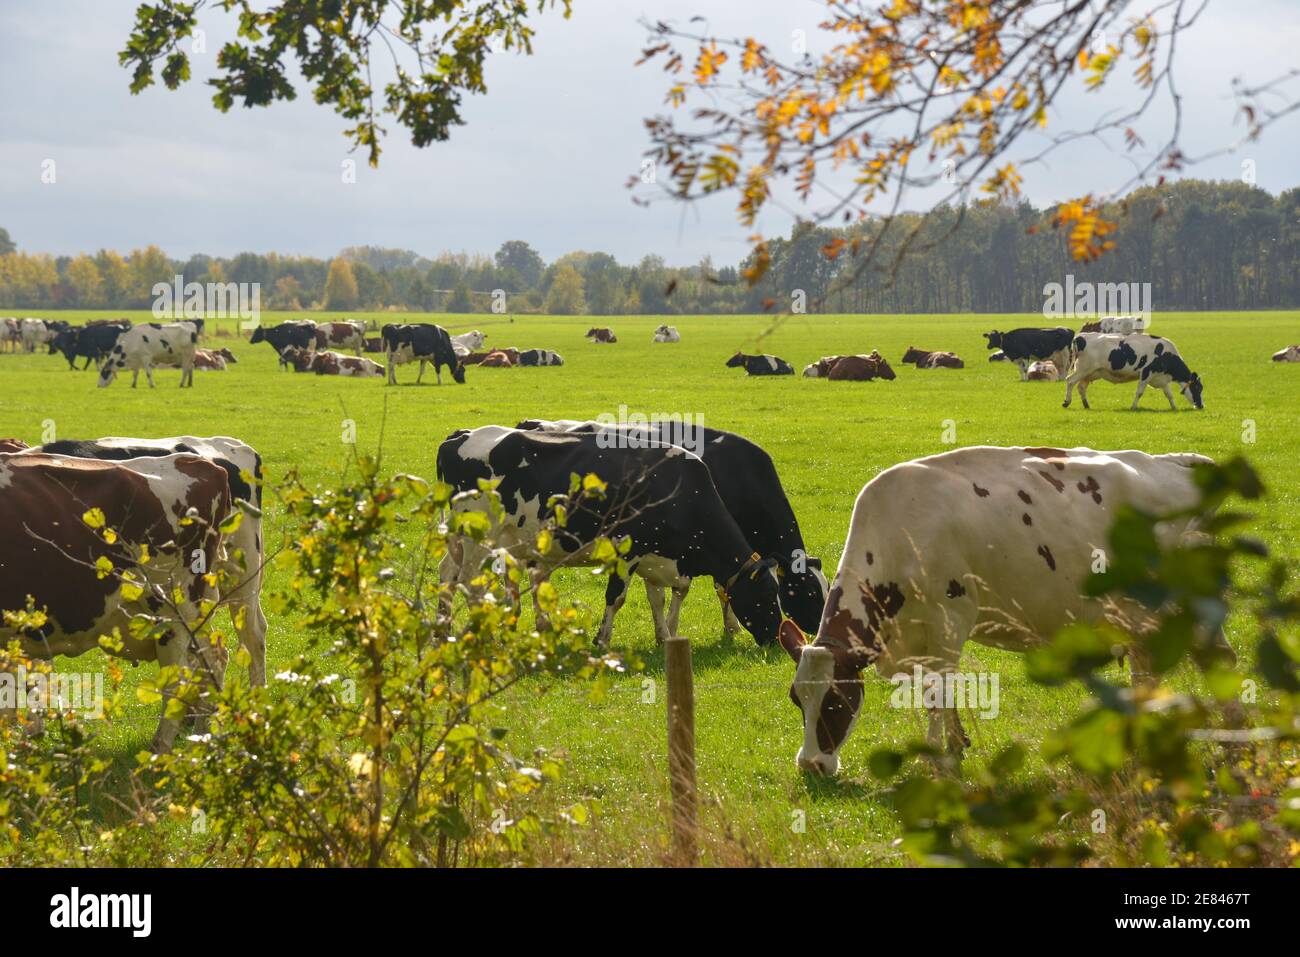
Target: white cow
1002, 564
667, 334
150, 344
1289, 354
1043, 372
33, 332
468, 342
1148, 360
11, 334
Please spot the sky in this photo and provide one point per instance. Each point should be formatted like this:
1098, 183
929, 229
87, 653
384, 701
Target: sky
544, 156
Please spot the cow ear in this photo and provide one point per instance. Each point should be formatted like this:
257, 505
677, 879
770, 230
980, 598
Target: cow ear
792, 639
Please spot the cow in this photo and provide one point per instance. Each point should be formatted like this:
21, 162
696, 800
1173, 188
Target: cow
760, 365
820, 368
496, 360
1289, 354
1148, 360
423, 343
299, 334
373, 344
214, 360
51, 555
1005, 568
1043, 372
601, 334
34, 332
333, 363
346, 335
141, 347
245, 555
11, 334
1023, 346
1120, 325
998, 356
297, 359
932, 360
92, 342
13, 445
540, 357
666, 334
860, 368
750, 490
467, 342
661, 498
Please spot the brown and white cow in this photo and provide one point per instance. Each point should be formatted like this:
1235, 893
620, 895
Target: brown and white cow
214, 360
860, 368
1001, 563
345, 335
172, 505
932, 360
1289, 354
601, 334
332, 363
496, 360
1042, 371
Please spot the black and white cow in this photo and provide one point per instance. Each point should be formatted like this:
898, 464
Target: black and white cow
298, 334
1024, 346
49, 553
143, 346
985, 544
1148, 360
424, 343
540, 357
92, 342
661, 498
750, 489
244, 556
760, 365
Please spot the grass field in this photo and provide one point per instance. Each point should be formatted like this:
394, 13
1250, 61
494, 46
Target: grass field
827, 440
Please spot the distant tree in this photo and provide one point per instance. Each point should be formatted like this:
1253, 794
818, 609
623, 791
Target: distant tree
461, 301
438, 52
113, 270
84, 281
417, 296
566, 296
7, 245
372, 287
341, 287
287, 294
519, 257
145, 269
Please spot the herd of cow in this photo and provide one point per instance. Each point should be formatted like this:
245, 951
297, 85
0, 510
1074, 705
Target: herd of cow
911, 588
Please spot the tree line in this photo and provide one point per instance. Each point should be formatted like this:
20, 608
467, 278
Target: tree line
1200, 244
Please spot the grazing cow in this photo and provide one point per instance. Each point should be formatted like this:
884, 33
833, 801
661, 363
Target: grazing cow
172, 505
244, 556
344, 335
1023, 346
496, 360
661, 498
1004, 568
467, 342
333, 363
667, 334
299, 334
34, 332
1289, 354
1148, 360
760, 365
601, 334
374, 344
1043, 372
540, 357
932, 360
860, 368
92, 342
143, 347
423, 343
751, 492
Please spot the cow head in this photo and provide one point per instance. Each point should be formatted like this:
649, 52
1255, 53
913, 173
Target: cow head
1192, 390
458, 370
13, 445
63, 341
753, 595
827, 690
913, 354
994, 340
108, 371
259, 335
735, 361
882, 368
803, 593
227, 355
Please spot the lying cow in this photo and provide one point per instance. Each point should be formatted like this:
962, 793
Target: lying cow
1023, 346
333, 363
1119, 325
422, 343
467, 342
666, 334
496, 360
373, 344
860, 368
914, 586
297, 358
1148, 360
663, 499
1289, 354
750, 489
341, 335
244, 557
760, 365
1043, 372
601, 334
932, 360
298, 334
93, 342
172, 505
144, 346
540, 357
214, 360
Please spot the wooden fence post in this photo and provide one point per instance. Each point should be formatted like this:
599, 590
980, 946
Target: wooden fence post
681, 748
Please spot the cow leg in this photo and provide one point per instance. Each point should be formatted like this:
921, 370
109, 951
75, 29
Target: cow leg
615, 595
536, 576
1142, 387
675, 607
655, 595
392, 377
730, 624
1083, 393
1169, 394
174, 652
148, 374
421, 373
1024, 369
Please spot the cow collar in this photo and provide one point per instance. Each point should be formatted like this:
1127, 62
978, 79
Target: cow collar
751, 562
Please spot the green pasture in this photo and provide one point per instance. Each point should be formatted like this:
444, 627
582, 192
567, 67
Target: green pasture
827, 440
